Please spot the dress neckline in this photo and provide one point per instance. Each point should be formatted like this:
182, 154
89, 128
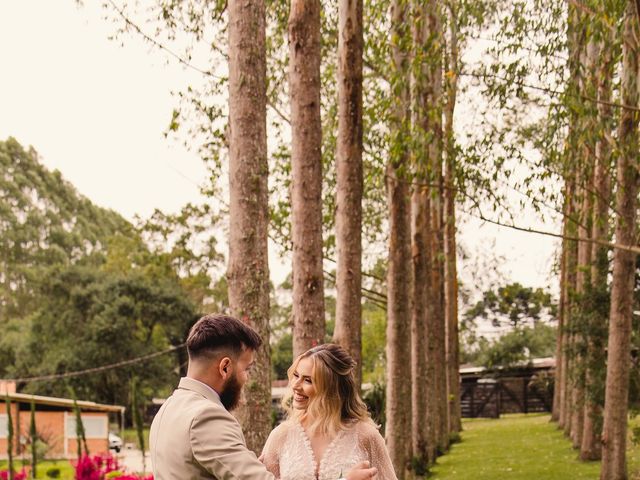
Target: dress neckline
317, 465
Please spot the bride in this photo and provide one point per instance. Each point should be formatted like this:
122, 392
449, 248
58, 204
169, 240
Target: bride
328, 430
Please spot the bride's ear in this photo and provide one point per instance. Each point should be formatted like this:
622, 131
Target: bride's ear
225, 367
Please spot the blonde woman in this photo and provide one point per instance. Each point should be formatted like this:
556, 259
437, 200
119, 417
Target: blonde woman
328, 430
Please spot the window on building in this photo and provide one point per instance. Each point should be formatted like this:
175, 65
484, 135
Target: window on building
94, 427
4, 426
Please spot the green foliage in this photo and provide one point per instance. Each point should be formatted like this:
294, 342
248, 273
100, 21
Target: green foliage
589, 325
375, 398
515, 348
523, 313
45, 222
512, 305
91, 287
420, 466
374, 341
53, 472
282, 356
89, 317
186, 244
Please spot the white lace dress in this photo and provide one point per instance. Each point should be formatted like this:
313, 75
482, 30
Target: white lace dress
288, 454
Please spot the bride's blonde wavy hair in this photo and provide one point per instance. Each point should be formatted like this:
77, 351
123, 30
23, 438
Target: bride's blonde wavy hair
337, 402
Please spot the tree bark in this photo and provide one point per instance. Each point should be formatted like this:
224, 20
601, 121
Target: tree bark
248, 268
618, 354
436, 327
399, 273
422, 424
591, 448
575, 40
349, 181
585, 166
306, 166
451, 271
557, 411
422, 370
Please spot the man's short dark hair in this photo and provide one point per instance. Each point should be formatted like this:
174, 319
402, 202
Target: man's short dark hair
216, 333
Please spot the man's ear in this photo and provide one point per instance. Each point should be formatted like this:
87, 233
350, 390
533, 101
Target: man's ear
225, 367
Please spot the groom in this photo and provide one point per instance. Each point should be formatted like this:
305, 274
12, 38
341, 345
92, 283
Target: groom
193, 435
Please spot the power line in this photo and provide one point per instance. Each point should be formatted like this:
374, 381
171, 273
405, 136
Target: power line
79, 373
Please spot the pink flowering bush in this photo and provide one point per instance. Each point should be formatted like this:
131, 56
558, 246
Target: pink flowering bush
21, 475
94, 467
102, 467
130, 476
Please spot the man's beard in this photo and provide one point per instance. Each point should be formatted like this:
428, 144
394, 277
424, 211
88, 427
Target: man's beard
231, 393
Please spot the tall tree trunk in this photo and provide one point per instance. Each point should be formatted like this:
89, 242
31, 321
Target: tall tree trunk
422, 424
436, 327
582, 290
350, 182
618, 354
422, 371
399, 273
571, 262
575, 40
306, 166
595, 363
557, 412
567, 287
585, 166
248, 269
451, 272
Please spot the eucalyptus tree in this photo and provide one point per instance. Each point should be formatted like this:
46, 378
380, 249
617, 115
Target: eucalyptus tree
596, 300
349, 181
436, 328
581, 144
450, 251
248, 268
614, 436
306, 174
423, 364
399, 274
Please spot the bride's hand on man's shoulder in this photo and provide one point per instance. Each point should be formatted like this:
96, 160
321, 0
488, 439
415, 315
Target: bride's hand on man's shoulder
361, 471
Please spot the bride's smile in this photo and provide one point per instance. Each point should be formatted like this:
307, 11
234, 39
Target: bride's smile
302, 384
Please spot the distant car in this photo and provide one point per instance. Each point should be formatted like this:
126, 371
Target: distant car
115, 442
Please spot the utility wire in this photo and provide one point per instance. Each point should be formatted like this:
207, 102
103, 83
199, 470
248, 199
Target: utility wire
79, 373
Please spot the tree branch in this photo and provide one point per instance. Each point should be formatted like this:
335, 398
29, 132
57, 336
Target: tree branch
551, 91
159, 45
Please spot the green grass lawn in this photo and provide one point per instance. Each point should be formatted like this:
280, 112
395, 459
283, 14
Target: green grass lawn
66, 470
130, 435
518, 447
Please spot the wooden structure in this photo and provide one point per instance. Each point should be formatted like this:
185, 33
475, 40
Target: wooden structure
55, 424
522, 389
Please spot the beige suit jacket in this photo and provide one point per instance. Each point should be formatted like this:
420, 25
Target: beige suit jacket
194, 437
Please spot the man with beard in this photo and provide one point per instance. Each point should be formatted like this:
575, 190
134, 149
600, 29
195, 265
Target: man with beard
193, 435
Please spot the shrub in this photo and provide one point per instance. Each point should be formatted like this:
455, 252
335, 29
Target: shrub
94, 467
53, 472
21, 475
102, 467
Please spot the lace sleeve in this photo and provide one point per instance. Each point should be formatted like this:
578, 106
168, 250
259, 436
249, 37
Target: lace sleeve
376, 448
270, 453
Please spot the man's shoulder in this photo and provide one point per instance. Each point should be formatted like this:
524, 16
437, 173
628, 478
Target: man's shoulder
189, 405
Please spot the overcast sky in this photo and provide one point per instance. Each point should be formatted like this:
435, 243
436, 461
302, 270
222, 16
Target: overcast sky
97, 111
